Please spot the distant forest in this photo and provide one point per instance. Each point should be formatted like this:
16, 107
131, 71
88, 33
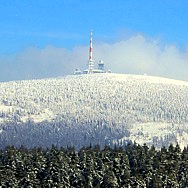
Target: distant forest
132, 165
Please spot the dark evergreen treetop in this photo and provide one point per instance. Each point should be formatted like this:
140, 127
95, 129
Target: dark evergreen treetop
130, 166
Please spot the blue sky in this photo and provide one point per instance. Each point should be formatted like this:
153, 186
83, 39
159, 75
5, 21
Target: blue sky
32, 29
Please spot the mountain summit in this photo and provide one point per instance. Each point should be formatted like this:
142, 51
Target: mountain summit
94, 108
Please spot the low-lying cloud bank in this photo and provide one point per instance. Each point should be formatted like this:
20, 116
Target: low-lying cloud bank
136, 55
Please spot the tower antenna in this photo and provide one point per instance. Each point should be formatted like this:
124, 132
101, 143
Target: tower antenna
90, 64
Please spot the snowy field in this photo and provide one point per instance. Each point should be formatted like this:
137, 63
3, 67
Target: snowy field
104, 108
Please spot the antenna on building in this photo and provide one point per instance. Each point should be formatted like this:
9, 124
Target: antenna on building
90, 63
90, 69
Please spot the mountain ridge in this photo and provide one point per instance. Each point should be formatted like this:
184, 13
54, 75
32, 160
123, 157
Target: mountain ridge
123, 106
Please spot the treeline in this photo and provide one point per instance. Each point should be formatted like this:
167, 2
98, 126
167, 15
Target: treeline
130, 166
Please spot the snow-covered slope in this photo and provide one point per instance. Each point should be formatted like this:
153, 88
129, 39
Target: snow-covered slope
97, 108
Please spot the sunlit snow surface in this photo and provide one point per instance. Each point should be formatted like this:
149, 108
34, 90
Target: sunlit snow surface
152, 110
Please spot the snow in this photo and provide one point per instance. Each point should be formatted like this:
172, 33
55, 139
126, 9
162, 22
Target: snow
47, 115
151, 131
150, 79
146, 106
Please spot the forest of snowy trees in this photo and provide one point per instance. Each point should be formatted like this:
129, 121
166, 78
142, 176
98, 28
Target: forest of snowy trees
101, 109
60, 132
132, 166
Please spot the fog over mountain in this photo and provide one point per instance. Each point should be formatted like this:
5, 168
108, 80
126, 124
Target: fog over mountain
136, 54
97, 108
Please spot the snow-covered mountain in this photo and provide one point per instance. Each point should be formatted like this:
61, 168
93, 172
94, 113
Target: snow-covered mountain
97, 108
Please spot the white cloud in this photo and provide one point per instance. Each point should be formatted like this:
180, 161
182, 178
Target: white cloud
136, 55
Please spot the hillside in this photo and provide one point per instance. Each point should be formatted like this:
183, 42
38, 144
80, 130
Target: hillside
97, 108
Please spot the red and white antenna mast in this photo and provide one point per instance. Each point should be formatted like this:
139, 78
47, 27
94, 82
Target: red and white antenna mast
90, 64
91, 47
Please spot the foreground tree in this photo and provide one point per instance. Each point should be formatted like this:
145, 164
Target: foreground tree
133, 166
